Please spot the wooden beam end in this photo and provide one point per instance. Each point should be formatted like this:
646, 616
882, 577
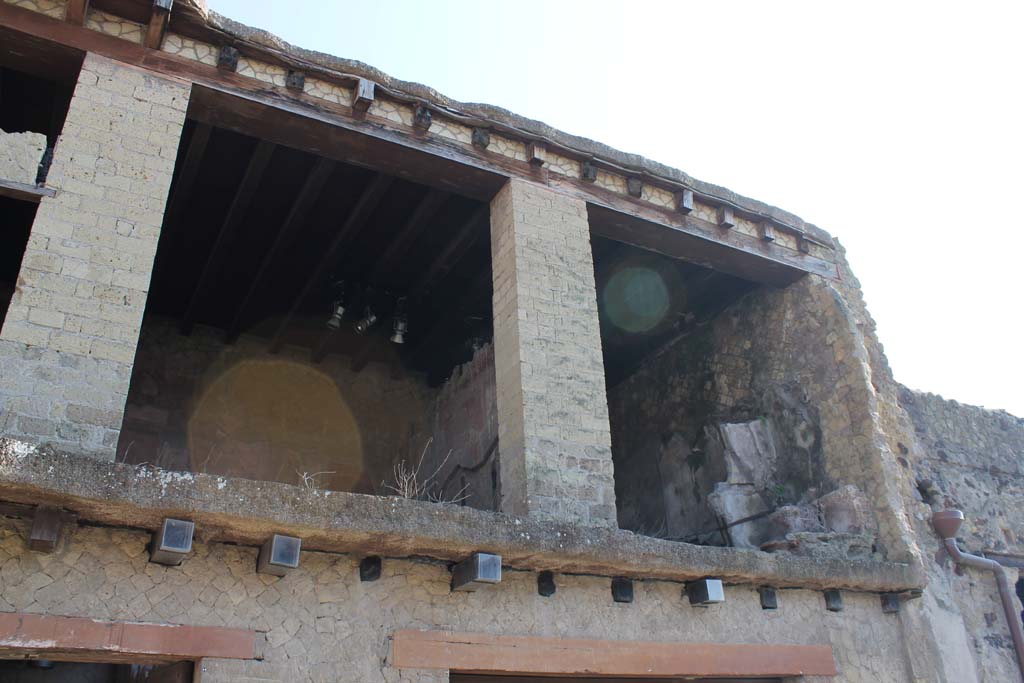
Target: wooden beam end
363, 95
422, 118
227, 59
726, 218
767, 231
684, 201
588, 171
481, 138
536, 153
635, 187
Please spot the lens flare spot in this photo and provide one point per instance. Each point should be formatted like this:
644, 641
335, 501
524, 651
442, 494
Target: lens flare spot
636, 299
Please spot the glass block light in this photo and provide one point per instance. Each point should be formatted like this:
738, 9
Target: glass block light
172, 542
279, 555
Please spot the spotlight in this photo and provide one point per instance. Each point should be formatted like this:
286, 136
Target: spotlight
278, 555
337, 312
705, 592
480, 568
368, 320
172, 542
401, 327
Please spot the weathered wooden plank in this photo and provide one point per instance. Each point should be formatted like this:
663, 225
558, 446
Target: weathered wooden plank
25, 192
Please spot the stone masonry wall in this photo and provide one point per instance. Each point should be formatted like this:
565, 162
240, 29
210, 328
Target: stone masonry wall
463, 452
198, 404
552, 409
68, 340
323, 625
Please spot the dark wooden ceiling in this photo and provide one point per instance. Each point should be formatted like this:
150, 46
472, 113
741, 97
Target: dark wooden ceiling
256, 236
693, 295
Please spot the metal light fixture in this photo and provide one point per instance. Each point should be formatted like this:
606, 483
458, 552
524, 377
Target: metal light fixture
172, 543
481, 568
338, 307
337, 313
279, 555
705, 592
401, 324
368, 320
401, 327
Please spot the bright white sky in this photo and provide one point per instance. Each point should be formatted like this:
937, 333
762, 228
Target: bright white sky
896, 126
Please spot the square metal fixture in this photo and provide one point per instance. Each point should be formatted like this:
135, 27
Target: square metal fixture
370, 568
705, 592
834, 600
622, 590
769, 597
172, 542
480, 569
279, 555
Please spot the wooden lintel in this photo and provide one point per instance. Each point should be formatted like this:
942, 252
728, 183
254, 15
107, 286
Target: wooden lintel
363, 95
726, 217
76, 11
25, 192
684, 201
635, 187
83, 639
297, 215
45, 532
535, 655
236, 214
767, 231
360, 214
536, 153
157, 25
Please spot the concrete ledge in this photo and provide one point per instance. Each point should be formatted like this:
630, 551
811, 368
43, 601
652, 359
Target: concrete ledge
247, 512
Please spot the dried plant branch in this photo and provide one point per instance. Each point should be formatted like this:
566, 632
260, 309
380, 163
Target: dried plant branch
408, 483
309, 479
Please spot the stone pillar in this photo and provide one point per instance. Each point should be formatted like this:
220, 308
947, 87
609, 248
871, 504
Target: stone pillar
554, 438
68, 341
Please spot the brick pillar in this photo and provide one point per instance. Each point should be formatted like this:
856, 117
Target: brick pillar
554, 439
68, 341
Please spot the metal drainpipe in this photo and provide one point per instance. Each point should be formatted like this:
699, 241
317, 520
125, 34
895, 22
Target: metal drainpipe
947, 524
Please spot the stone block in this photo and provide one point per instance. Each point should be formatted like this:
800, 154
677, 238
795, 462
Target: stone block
749, 452
847, 511
20, 154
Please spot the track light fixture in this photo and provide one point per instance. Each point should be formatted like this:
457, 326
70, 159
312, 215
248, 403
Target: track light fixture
401, 324
338, 307
368, 320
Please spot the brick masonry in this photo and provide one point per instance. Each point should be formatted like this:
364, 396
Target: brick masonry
68, 341
552, 410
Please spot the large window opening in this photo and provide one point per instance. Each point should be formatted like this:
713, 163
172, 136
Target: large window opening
36, 83
319, 324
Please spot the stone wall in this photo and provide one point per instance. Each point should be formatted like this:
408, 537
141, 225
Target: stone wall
69, 337
323, 624
552, 409
972, 459
197, 404
464, 447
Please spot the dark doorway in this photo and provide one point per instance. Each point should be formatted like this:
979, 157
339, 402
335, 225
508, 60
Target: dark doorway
46, 671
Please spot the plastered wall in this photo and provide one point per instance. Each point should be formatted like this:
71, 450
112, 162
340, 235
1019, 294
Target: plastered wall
322, 624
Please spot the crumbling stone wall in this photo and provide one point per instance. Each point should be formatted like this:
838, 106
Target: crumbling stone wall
190, 408
323, 624
464, 447
972, 459
69, 337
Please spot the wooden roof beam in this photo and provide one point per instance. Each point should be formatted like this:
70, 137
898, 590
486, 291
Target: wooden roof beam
76, 11
297, 216
158, 18
454, 250
357, 218
188, 172
239, 207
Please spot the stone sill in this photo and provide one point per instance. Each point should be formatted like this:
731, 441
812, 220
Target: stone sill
247, 512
